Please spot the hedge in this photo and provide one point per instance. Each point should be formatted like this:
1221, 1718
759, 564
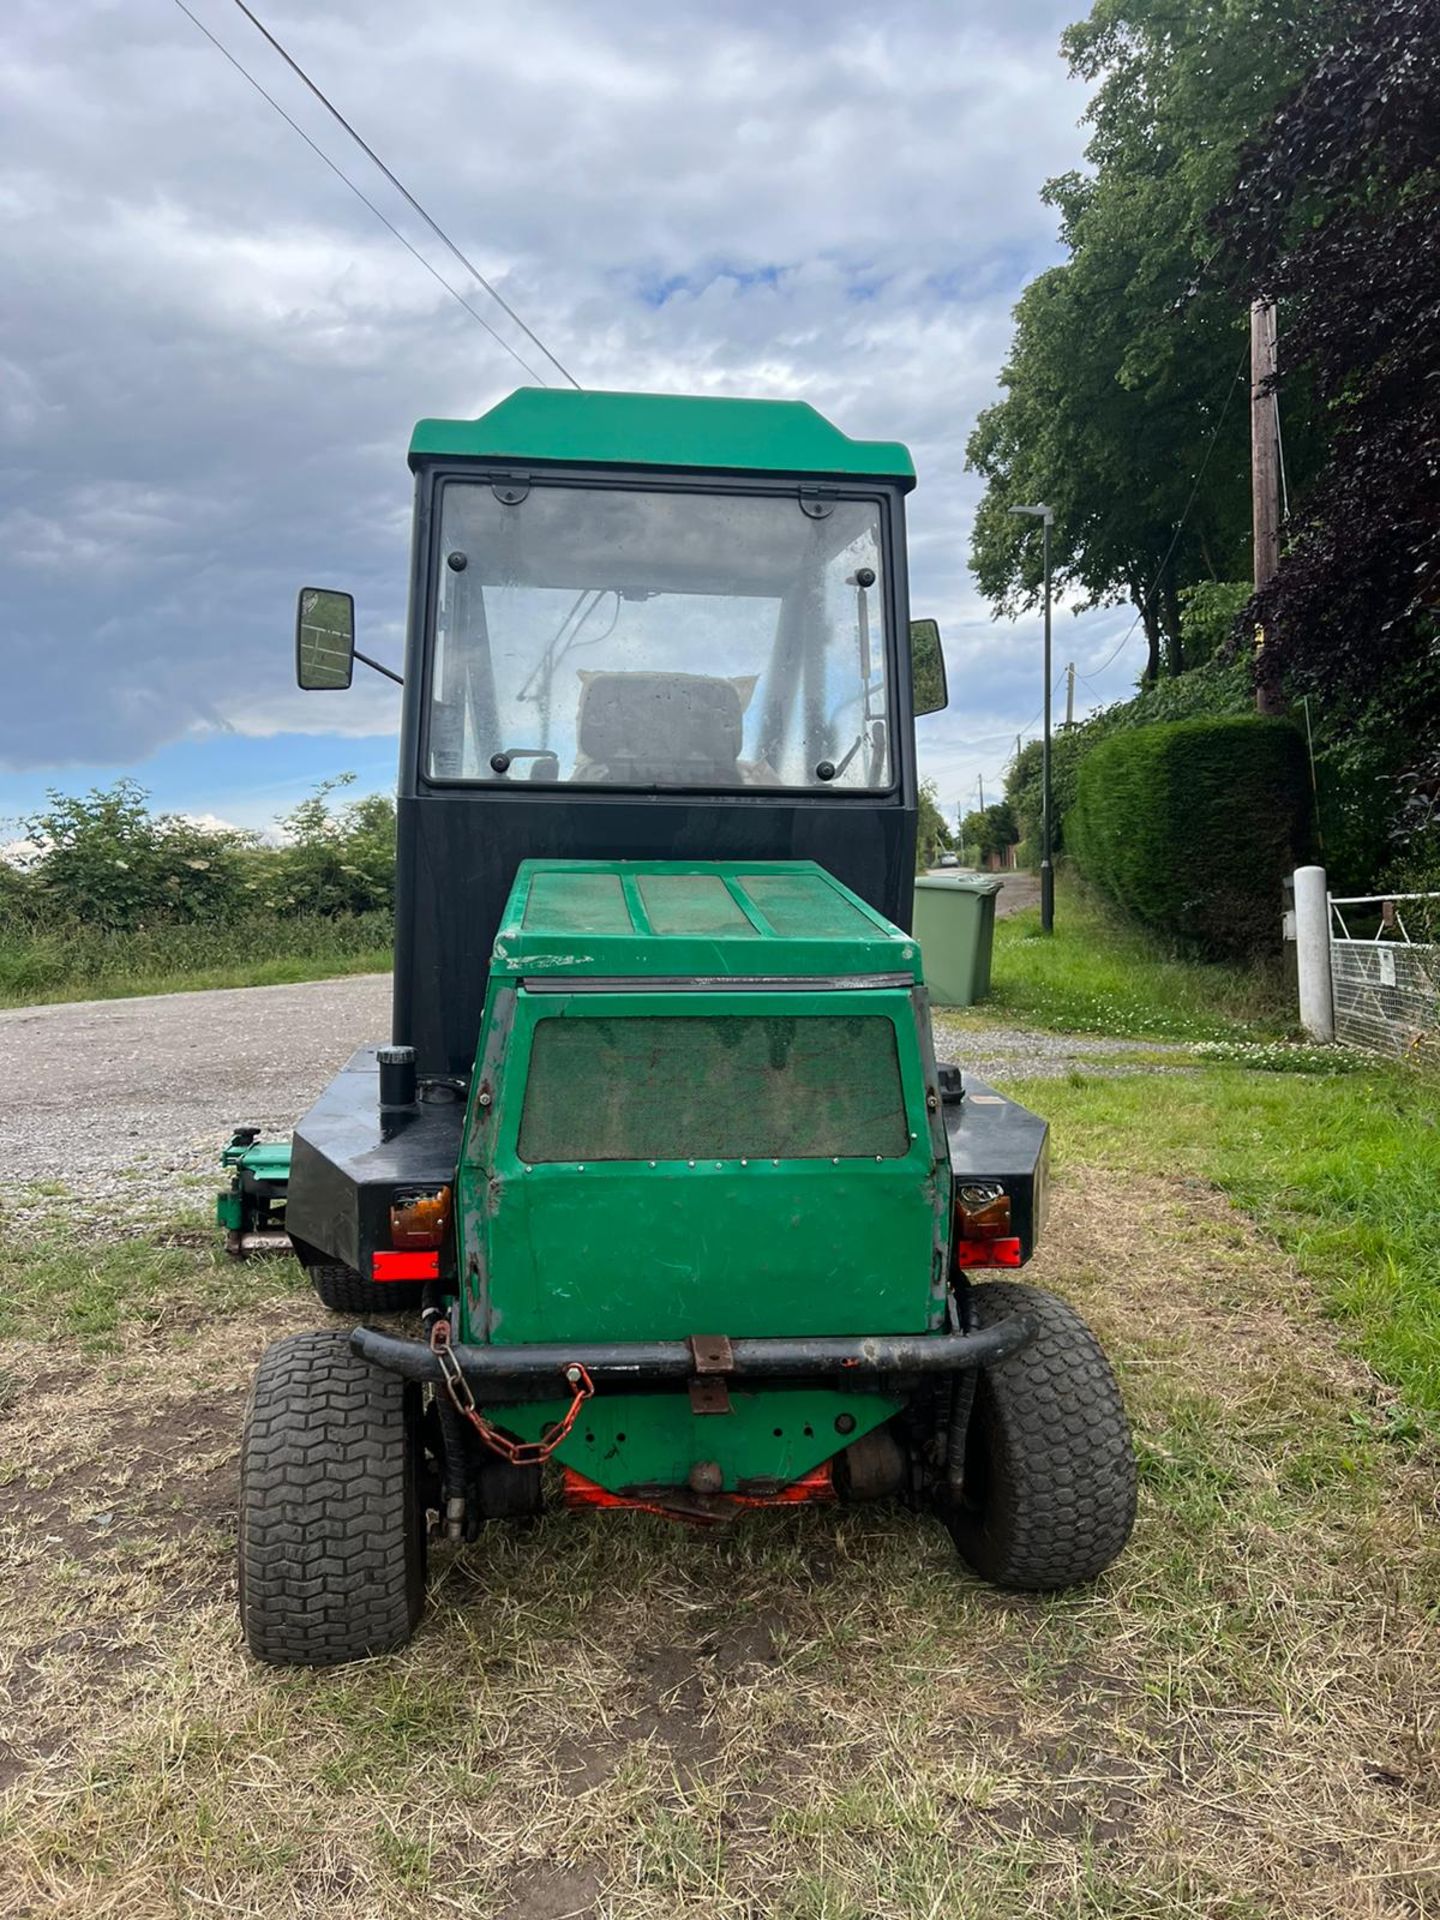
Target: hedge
1192, 825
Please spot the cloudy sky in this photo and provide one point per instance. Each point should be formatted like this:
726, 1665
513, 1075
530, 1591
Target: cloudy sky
211, 354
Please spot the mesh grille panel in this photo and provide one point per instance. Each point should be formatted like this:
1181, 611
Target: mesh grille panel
697, 1087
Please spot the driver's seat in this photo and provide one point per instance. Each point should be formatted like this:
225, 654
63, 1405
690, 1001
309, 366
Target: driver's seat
661, 729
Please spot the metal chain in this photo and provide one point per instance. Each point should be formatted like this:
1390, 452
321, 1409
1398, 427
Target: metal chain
519, 1453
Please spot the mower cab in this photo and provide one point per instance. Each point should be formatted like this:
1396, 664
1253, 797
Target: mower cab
659, 1149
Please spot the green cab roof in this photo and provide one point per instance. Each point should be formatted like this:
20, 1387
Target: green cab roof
713, 920
536, 424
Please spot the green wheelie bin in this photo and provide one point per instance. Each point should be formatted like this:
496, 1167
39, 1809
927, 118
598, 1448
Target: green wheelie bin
955, 925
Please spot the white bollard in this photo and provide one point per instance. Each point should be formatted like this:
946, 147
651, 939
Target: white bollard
1312, 952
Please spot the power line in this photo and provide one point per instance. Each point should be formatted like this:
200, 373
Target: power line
1008, 733
1040, 711
404, 191
499, 338
1091, 678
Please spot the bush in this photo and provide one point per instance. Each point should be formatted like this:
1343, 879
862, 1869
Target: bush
106, 861
990, 832
1219, 687
1208, 612
1192, 825
106, 897
103, 862
339, 860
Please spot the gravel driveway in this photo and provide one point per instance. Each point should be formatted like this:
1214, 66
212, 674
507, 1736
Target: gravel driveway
122, 1101
115, 1098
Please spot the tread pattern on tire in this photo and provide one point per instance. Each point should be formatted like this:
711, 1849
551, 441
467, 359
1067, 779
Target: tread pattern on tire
343, 1290
1058, 1464
331, 1534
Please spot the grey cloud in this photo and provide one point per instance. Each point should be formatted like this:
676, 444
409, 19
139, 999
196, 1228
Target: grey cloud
211, 356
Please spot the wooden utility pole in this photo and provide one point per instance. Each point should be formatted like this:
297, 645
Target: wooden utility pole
1264, 464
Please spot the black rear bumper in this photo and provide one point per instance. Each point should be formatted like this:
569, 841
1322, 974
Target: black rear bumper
878, 1361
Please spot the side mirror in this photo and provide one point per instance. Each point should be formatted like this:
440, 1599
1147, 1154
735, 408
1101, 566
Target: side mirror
927, 667
324, 639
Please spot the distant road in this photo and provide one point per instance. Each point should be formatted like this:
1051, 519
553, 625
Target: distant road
123, 1101
1017, 890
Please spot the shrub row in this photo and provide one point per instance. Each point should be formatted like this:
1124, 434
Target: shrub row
103, 863
1192, 825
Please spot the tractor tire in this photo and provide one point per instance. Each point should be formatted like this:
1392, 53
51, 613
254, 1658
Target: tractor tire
1048, 1496
332, 1526
343, 1290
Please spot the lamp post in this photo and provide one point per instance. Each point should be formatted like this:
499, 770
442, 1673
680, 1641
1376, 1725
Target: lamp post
1046, 517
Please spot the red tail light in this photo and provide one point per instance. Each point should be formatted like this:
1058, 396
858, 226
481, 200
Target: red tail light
387, 1265
969, 1254
982, 1229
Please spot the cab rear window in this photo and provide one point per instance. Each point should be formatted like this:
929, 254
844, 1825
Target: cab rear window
721, 1087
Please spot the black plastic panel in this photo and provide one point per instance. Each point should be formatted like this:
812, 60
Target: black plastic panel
344, 1173
995, 1139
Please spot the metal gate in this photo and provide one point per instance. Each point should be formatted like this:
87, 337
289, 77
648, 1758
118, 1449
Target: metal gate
1386, 982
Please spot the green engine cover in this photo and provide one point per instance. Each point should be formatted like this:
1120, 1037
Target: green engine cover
705, 1103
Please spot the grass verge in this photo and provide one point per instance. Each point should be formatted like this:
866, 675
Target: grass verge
263, 950
1094, 974
1344, 1172
814, 1716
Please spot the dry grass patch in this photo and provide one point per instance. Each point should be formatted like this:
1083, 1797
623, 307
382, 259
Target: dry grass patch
814, 1716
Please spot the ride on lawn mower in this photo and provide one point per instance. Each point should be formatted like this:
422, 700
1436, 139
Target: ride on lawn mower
659, 1153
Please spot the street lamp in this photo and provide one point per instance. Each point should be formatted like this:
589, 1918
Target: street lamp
1046, 516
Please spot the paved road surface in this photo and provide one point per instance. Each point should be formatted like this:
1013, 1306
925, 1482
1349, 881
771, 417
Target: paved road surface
1017, 890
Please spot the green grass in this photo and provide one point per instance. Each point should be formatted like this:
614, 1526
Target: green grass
87, 963
1343, 1172
816, 1716
1095, 974
98, 1290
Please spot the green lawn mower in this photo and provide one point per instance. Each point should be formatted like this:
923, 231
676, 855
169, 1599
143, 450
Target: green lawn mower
659, 1154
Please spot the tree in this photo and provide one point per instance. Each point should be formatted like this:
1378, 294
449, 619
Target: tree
1123, 404
1336, 214
990, 832
933, 837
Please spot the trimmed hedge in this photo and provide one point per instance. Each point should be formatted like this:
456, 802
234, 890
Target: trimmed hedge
1192, 825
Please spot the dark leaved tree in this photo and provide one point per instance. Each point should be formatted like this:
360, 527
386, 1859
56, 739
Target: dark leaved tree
1336, 216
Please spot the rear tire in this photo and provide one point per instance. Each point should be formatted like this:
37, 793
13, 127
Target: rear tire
1048, 1498
332, 1528
343, 1290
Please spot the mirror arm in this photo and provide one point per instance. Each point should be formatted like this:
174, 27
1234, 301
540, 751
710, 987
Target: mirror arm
388, 672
